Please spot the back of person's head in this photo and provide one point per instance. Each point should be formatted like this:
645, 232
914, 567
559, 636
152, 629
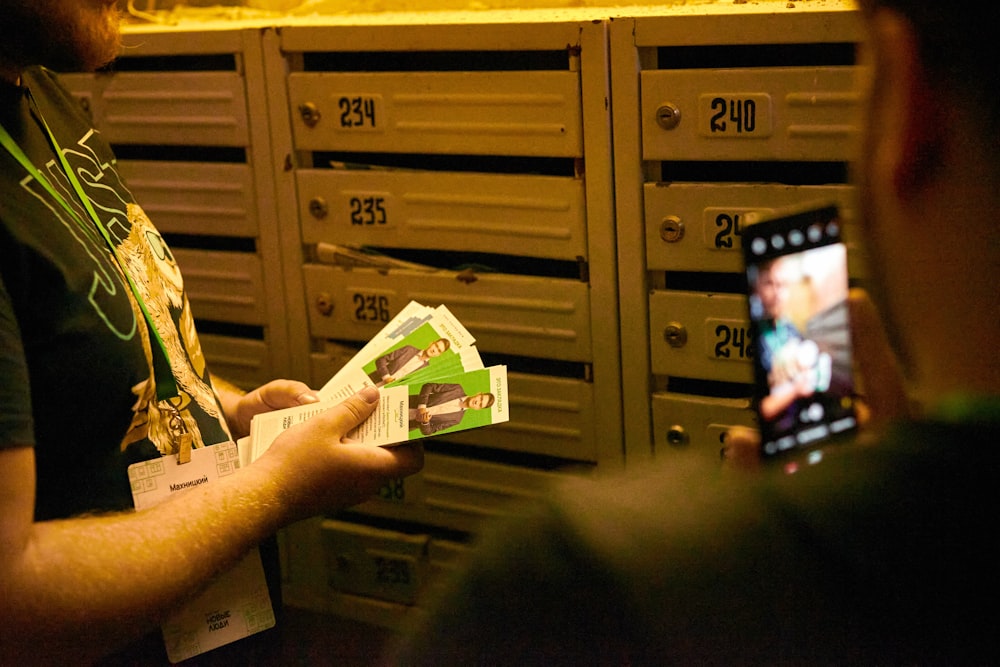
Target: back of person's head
960, 49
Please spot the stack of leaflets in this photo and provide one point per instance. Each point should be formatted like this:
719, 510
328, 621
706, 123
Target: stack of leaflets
430, 377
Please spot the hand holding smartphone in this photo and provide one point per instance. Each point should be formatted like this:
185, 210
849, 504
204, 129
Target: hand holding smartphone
796, 269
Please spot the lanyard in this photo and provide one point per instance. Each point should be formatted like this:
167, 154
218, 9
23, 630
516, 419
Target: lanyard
166, 385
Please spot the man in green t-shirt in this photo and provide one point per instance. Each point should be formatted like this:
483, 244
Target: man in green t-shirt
101, 366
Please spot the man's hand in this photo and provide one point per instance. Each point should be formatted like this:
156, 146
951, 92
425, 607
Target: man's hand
883, 392
240, 408
316, 470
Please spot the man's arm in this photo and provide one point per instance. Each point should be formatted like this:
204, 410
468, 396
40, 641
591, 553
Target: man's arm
396, 358
449, 390
72, 590
441, 422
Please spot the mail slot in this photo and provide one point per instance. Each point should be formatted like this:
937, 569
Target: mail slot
779, 113
472, 113
537, 216
197, 198
223, 286
697, 226
513, 314
703, 336
683, 422
167, 108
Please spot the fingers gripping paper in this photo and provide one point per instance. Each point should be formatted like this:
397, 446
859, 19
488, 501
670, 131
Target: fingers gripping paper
430, 378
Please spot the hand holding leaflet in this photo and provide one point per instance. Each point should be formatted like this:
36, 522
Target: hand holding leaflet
430, 379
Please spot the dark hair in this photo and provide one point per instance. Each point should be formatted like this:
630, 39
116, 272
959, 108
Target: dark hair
960, 48
447, 343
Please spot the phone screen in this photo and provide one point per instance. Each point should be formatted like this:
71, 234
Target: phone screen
796, 269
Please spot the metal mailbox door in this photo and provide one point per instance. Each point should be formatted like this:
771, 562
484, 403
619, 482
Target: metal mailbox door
473, 113
512, 314
245, 362
458, 492
702, 336
375, 562
177, 108
224, 286
535, 216
478, 490
684, 422
550, 416
780, 113
198, 198
696, 226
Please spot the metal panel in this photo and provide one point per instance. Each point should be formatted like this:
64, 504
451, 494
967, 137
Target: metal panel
244, 362
536, 216
722, 22
168, 108
478, 489
478, 113
800, 113
521, 315
549, 416
683, 422
696, 226
705, 336
460, 493
223, 286
213, 199
385, 564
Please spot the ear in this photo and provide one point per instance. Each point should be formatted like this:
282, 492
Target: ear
915, 116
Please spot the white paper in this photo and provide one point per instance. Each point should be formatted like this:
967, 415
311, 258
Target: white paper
237, 604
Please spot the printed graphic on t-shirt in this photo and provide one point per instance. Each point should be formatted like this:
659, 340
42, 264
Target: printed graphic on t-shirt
147, 259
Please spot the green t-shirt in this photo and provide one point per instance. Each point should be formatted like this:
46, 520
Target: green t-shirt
76, 378
879, 555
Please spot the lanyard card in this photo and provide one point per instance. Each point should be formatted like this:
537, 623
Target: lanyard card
237, 603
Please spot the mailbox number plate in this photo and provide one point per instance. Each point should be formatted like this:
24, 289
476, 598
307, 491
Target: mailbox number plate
734, 115
728, 340
371, 308
367, 209
359, 112
724, 226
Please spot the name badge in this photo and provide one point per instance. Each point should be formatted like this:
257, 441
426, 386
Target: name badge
237, 603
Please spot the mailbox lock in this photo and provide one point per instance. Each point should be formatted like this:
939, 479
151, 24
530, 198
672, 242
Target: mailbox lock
324, 304
310, 114
675, 334
668, 115
671, 229
677, 436
318, 208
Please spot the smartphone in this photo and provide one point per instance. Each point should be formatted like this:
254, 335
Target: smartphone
797, 285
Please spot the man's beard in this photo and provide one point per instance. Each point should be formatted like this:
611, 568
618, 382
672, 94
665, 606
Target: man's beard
63, 35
